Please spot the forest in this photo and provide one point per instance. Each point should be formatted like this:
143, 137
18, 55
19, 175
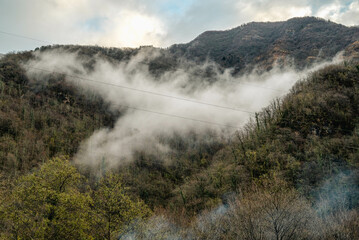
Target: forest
291, 172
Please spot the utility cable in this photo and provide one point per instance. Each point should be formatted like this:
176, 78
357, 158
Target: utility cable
146, 91
44, 41
25, 37
178, 116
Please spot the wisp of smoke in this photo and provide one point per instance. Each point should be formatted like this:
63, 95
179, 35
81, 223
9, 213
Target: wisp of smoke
338, 193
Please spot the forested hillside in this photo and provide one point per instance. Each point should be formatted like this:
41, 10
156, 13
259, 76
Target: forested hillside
306, 145
298, 41
306, 138
292, 172
40, 122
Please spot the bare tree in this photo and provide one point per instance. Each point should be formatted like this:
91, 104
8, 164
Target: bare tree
270, 211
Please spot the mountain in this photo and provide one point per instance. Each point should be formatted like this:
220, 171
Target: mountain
294, 166
298, 41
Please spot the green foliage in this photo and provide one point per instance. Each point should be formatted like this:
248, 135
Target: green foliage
47, 204
38, 123
55, 202
114, 209
307, 138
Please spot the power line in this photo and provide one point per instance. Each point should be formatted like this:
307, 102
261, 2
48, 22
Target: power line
169, 96
161, 94
25, 37
146, 91
178, 116
44, 41
150, 92
193, 119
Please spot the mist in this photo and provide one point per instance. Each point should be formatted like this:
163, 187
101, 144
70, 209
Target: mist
153, 108
331, 210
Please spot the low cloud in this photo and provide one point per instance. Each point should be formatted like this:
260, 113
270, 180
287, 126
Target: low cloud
155, 108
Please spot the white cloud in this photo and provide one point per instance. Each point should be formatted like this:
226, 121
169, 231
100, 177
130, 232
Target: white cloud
131, 29
65, 22
273, 10
351, 17
338, 11
157, 22
330, 11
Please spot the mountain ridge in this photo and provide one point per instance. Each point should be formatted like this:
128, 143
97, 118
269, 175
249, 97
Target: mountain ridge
297, 42
254, 43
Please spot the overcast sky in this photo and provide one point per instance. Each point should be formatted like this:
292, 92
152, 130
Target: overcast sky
130, 23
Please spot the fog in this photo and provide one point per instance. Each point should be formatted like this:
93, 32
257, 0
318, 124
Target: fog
332, 208
153, 108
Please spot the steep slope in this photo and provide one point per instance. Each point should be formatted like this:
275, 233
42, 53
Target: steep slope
38, 122
42, 121
312, 135
301, 40
308, 139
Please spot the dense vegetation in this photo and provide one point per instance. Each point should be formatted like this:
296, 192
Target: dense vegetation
39, 122
291, 173
307, 138
54, 202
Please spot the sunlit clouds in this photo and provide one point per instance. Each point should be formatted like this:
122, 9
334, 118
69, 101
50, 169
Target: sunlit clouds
278, 10
119, 23
339, 12
131, 29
